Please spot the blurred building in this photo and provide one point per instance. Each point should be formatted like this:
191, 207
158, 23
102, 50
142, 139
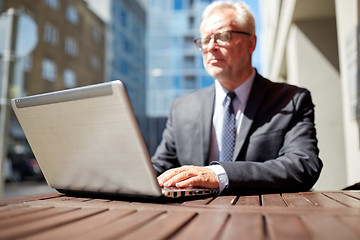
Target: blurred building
70, 49
174, 64
314, 44
69, 52
126, 52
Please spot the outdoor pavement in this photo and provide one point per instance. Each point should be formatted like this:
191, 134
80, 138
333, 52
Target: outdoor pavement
26, 188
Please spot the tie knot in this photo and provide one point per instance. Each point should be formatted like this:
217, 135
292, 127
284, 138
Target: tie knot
231, 95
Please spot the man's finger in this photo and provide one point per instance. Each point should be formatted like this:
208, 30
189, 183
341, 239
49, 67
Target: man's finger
181, 176
189, 176
166, 176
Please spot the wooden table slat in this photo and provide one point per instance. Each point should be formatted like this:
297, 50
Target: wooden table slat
99, 200
73, 202
284, 228
344, 199
307, 215
328, 227
248, 201
28, 198
224, 200
206, 225
354, 194
163, 227
48, 223
83, 226
122, 226
41, 213
11, 207
353, 222
273, 200
244, 226
202, 201
319, 199
64, 198
13, 212
297, 200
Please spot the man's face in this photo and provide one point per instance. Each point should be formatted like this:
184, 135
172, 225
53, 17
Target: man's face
231, 61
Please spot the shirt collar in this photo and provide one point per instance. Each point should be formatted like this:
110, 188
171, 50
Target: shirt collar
242, 91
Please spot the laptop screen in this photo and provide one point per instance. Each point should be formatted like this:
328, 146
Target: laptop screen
88, 139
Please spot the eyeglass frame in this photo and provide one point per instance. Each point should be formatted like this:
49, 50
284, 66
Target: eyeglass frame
198, 44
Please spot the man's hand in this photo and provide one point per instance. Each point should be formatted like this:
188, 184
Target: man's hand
187, 176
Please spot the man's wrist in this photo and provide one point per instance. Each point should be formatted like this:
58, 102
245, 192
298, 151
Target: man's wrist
220, 174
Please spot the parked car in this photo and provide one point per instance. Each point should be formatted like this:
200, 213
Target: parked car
8, 171
23, 167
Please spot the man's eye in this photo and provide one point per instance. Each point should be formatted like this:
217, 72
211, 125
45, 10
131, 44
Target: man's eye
222, 36
205, 41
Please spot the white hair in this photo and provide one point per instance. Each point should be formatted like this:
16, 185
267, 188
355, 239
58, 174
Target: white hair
244, 17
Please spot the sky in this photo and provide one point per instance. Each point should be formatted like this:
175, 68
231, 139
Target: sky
101, 8
253, 4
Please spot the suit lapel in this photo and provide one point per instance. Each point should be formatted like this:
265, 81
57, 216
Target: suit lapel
206, 121
256, 96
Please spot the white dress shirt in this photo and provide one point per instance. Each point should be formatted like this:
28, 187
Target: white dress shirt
239, 104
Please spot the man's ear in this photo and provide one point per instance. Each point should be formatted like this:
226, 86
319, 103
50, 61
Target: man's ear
252, 43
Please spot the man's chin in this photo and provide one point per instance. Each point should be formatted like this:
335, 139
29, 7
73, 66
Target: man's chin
216, 72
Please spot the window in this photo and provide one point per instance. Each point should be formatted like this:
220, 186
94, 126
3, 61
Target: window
69, 78
126, 45
124, 67
190, 82
191, 22
28, 63
176, 82
96, 35
123, 18
178, 4
50, 34
189, 61
48, 70
95, 62
191, 3
72, 14
54, 4
71, 46
189, 41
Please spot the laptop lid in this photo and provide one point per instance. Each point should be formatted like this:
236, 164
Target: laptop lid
87, 139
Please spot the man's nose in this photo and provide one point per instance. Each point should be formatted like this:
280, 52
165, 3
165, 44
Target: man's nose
212, 44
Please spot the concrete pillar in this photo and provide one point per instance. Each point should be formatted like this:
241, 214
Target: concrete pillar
347, 20
312, 62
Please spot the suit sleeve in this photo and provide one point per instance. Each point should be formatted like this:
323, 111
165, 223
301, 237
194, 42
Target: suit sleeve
296, 166
165, 156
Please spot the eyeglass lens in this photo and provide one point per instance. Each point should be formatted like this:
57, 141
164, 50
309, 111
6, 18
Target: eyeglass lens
220, 39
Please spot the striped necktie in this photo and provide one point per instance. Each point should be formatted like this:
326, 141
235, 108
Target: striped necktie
229, 129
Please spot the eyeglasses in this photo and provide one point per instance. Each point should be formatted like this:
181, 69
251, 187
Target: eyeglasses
221, 39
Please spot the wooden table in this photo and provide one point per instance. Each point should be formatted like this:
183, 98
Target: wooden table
306, 215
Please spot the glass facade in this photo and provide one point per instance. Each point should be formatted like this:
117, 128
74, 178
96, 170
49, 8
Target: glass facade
126, 53
174, 63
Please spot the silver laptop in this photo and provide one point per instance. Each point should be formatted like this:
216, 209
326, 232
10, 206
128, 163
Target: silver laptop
87, 140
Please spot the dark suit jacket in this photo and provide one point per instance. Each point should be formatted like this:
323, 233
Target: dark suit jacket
278, 147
